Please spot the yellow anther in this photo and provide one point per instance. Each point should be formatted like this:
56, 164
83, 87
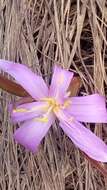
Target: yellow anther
66, 104
55, 106
42, 119
56, 109
20, 110
52, 103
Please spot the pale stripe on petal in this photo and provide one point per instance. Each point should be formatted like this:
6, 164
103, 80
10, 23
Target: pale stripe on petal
61, 79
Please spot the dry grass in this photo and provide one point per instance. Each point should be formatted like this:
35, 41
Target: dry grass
41, 33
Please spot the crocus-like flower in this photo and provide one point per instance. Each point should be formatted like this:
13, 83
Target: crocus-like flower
54, 102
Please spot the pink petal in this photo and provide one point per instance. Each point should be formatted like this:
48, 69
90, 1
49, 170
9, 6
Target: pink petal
88, 109
28, 111
86, 140
32, 132
60, 81
32, 83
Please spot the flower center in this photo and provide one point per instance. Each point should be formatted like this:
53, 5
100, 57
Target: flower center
54, 105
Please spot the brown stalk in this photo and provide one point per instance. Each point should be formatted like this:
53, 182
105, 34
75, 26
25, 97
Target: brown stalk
12, 87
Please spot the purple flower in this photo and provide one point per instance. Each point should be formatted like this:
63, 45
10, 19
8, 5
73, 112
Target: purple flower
54, 102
